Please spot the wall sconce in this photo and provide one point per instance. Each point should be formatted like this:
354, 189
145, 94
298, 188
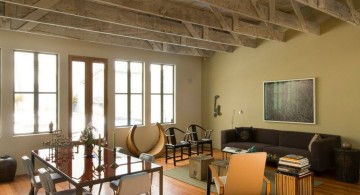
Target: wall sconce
217, 107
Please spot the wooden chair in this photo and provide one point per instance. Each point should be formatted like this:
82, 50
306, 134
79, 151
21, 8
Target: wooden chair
49, 185
173, 145
200, 137
35, 179
245, 175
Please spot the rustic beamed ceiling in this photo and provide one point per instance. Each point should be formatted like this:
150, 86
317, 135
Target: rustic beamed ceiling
188, 27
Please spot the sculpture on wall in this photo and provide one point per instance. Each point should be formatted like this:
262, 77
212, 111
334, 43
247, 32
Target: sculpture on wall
217, 107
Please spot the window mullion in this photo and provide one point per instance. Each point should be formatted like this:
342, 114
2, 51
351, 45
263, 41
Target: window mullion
162, 93
129, 94
36, 92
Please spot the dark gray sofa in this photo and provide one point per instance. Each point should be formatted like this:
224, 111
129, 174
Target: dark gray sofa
280, 143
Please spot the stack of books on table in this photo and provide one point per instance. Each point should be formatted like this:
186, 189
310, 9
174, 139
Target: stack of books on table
294, 165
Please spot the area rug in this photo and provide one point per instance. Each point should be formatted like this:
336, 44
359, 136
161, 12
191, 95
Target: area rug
182, 174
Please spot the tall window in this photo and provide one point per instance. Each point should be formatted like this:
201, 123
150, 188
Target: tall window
87, 95
162, 93
35, 92
128, 93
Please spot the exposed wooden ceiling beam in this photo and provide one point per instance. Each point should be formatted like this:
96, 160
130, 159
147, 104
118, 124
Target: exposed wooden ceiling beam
299, 14
187, 14
344, 12
111, 14
56, 31
246, 8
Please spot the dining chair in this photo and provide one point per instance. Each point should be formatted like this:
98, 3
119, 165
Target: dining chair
172, 144
143, 156
199, 136
35, 179
245, 175
134, 184
49, 186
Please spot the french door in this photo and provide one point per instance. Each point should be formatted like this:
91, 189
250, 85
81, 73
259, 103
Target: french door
87, 95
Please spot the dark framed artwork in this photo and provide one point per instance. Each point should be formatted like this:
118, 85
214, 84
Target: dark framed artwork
291, 101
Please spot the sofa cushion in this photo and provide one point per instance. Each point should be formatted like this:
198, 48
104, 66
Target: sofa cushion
245, 134
294, 139
266, 136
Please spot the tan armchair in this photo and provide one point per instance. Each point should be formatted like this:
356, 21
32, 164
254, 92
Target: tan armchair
245, 175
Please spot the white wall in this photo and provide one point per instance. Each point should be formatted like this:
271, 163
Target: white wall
188, 88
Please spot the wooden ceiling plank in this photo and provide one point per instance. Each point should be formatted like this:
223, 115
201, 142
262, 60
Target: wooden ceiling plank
335, 9
187, 14
205, 33
354, 13
155, 46
246, 8
37, 14
298, 13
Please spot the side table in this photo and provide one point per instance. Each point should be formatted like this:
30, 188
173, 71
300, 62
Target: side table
293, 185
198, 166
347, 165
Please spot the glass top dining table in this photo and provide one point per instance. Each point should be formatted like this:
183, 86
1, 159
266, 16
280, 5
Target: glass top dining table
103, 165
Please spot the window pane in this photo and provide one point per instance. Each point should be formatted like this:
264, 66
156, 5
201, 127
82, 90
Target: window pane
168, 79
23, 113
136, 77
98, 110
155, 78
47, 111
24, 71
121, 82
78, 99
121, 106
47, 72
155, 108
168, 116
136, 110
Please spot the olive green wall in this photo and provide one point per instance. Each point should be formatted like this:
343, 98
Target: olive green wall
333, 58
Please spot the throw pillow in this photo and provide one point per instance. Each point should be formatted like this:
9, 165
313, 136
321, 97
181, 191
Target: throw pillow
316, 137
245, 134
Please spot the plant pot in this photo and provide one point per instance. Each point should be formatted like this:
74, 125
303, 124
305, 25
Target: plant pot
88, 151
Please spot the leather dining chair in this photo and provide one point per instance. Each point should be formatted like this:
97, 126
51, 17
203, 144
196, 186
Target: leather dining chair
35, 179
49, 185
114, 185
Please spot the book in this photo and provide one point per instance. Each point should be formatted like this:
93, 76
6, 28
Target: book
293, 156
292, 164
291, 168
295, 174
295, 162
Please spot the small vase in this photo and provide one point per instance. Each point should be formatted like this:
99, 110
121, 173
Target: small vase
88, 150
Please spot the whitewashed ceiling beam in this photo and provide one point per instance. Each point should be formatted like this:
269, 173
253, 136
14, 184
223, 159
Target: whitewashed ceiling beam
246, 8
56, 31
344, 12
105, 13
187, 14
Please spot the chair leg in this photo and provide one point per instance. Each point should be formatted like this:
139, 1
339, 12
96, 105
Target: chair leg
211, 149
100, 188
197, 149
174, 156
31, 190
166, 154
36, 190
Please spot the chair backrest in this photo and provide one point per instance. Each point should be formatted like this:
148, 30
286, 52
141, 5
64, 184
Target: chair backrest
245, 173
194, 130
171, 133
147, 157
134, 184
29, 167
46, 181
